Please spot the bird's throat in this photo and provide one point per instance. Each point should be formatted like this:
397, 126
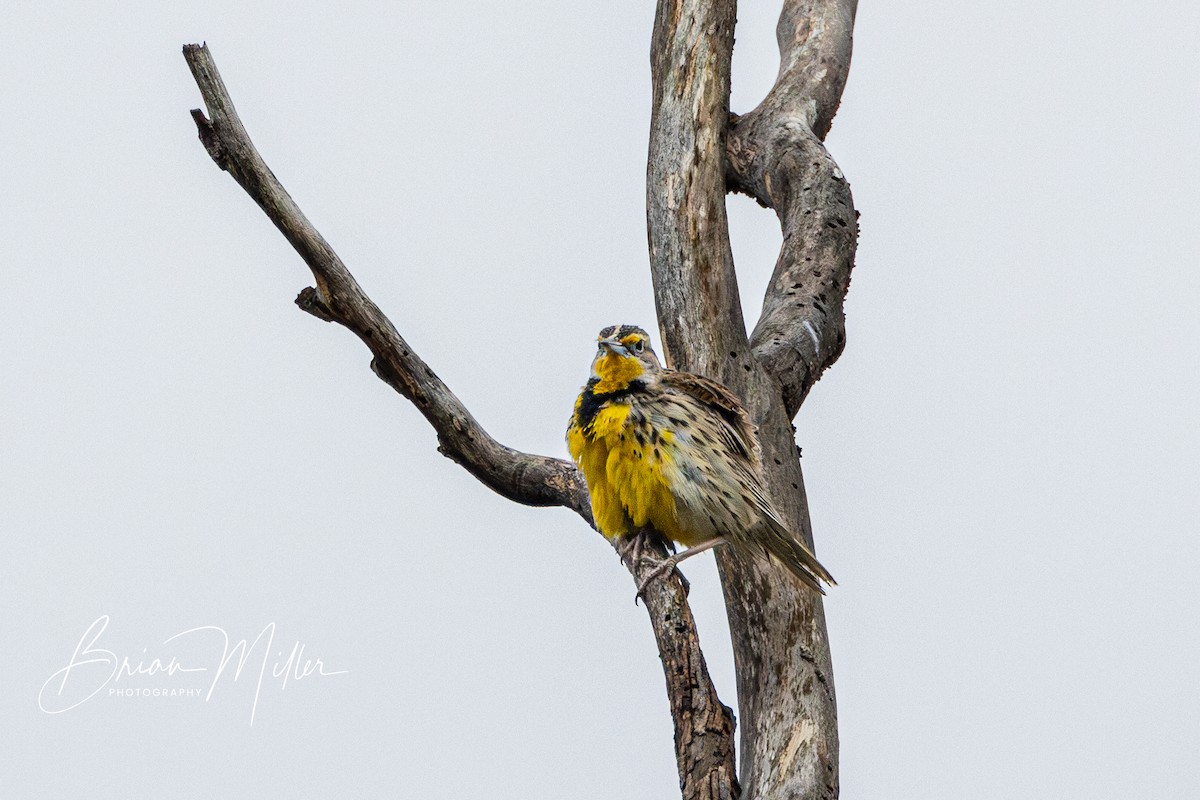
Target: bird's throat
615, 372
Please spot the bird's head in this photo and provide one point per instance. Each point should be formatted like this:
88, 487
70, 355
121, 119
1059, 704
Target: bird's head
623, 355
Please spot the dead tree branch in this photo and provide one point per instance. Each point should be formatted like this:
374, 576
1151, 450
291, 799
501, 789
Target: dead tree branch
695, 287
789, 742
775, 154
530, 479
703, 725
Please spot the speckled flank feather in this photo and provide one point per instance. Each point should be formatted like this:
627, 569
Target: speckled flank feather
676, 452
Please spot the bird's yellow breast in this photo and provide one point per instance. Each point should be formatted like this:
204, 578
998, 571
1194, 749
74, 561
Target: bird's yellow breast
628, 468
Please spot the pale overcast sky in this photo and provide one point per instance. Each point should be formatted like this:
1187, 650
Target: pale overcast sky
1002, 468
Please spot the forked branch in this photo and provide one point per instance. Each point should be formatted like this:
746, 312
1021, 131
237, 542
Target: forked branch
703, 725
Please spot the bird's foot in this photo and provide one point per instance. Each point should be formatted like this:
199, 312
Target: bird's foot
637, 546
670, 564
630, 548
640, 547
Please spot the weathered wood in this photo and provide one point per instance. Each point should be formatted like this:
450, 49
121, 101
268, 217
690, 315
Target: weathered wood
525, 478
775, 155
703, 725
785, 682
695, 287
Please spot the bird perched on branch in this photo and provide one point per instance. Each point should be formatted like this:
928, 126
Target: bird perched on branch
676, 454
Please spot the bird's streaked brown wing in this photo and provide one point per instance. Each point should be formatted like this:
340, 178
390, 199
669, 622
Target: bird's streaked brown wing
739, 434
737, 430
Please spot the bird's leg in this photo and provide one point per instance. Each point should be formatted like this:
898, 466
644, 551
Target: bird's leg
632, 547
641, 545
672, 562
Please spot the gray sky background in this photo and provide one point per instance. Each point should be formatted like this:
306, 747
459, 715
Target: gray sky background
1002, 468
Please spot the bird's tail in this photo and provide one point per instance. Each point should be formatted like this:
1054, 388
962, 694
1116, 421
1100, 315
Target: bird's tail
785, 547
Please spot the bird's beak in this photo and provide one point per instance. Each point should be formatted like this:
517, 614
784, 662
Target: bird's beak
614, 346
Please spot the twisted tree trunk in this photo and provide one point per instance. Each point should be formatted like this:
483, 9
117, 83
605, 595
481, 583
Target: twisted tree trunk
789, 741
698, 152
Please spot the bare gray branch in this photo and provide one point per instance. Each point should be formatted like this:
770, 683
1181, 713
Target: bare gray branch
775, 155
703, 725
525, 478
695, 288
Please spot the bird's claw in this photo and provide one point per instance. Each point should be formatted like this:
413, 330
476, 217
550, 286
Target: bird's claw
636, 548
661, 568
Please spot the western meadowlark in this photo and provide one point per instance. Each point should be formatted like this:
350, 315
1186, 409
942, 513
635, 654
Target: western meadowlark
675, 453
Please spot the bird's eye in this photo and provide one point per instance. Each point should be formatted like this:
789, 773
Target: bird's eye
639, 345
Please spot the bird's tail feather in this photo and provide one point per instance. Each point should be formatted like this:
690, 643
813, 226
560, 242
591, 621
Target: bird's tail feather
782, 543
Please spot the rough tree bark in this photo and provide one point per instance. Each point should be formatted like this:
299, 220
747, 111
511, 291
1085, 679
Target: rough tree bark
789, 744
698, 152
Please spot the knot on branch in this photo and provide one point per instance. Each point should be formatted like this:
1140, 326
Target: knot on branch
310, 300
208, 137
